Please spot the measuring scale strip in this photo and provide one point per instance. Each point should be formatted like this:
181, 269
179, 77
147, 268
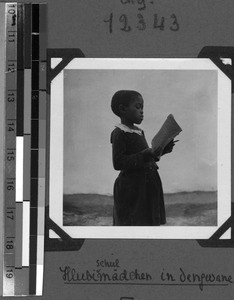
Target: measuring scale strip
10, 150
27, 29
25, 136
41, 149
19, 149
34, 152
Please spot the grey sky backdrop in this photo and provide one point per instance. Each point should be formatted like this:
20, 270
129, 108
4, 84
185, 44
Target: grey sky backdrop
191, 96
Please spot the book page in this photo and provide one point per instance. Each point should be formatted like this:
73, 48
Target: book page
169, 130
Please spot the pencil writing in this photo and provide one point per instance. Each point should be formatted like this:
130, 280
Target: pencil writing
140, 15
70, 274
141, 23
200, 279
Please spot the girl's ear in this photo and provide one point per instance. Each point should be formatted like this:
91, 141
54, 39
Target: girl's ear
122, 108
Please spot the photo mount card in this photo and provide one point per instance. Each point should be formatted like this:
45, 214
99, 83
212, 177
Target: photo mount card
149, 66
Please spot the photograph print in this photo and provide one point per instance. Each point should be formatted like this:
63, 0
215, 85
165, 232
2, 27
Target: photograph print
140, 143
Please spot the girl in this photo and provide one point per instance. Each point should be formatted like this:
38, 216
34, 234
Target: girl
138, 193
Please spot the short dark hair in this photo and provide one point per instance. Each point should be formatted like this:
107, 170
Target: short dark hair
124, 97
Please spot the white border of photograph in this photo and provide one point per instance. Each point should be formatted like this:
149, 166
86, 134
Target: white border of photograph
154, 232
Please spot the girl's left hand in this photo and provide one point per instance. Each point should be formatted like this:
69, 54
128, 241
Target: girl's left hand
169, 147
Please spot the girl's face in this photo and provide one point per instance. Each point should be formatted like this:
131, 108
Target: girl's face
134, 111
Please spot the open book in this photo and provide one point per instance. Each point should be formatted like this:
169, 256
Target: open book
169, 130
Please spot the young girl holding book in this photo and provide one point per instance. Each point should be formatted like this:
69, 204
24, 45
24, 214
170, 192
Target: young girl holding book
138, 193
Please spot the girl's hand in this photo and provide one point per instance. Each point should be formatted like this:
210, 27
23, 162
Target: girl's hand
169, 147
149, 153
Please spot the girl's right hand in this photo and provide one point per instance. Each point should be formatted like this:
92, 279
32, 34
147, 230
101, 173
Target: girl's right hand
148, 152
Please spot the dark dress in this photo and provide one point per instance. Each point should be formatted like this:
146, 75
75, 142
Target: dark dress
138, 193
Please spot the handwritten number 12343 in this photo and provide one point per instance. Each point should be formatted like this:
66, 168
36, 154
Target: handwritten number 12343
160, 23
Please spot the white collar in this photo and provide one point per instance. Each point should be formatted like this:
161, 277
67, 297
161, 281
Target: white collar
125, 128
